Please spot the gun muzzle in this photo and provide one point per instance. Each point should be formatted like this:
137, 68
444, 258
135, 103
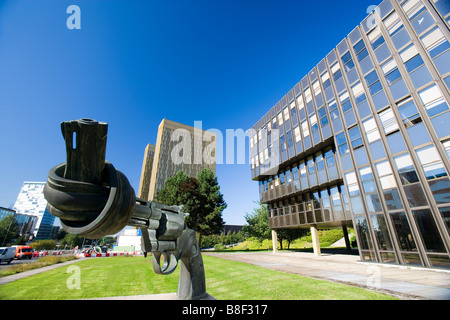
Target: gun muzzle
88, 194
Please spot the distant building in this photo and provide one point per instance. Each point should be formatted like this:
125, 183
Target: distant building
231, 228
4, 212
146, 172
178, 147
26, 225
31, 201
129, 239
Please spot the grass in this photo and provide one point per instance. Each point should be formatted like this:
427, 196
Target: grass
326, 238
225, 280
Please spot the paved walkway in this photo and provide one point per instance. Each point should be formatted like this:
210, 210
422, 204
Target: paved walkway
404, 282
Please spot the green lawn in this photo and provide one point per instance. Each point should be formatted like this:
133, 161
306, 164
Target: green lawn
225, 280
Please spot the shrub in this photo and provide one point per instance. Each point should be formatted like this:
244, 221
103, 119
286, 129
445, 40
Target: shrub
44, 245
41, 262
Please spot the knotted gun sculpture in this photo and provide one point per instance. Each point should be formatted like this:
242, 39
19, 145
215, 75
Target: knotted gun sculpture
93, 199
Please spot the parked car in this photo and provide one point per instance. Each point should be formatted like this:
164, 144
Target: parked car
23, 252
7, 254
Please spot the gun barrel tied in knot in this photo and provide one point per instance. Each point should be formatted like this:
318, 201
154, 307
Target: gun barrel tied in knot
93, 199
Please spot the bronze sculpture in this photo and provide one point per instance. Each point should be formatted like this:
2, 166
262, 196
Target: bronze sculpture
93, 199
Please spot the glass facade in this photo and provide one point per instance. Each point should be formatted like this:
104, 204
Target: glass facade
363, 139
31, 202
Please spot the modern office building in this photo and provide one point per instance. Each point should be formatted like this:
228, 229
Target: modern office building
363, 139
31, 202
25, 223
178, 147
4, 212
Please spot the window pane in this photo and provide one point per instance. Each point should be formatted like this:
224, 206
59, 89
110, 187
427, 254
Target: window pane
429, 231
393, 76
388, 182
403, 231
441, 190
388, 121
409, 113
392, 199
431, 162
322, 112
381, 232
433, 100
435, 42
412, 8
445, 213
393, 23
408, 52
350, 178
414, 63
358, 92
406, 169
446, 144
359, 46
388, 66
371, 77
346, 57
374, 88
363, 54
355, 137
414, 194
370, 127
373, 202
342, 143
362, 228
346, 106
378, 42
305, 129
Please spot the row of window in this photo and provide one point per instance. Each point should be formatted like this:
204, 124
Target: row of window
404, 237
302, 175
327, 204
432, 167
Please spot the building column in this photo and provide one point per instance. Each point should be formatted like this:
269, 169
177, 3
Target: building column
347, 241
274, 241
315, 240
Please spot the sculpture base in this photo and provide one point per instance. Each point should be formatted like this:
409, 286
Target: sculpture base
161, 296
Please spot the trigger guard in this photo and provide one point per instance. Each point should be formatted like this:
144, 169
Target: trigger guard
169, 266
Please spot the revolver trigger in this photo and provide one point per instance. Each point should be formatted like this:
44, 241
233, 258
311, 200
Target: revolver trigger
169, 265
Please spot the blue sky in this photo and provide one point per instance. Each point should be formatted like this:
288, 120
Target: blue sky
135, 62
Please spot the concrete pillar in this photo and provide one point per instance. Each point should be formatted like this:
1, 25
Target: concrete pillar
274, 241
315, 240
347, 241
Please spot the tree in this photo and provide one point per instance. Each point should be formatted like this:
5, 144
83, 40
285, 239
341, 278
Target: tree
44, 245
8, 228
200, 196
290, 235
72, 240
108, 241
171, 193
258, 223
